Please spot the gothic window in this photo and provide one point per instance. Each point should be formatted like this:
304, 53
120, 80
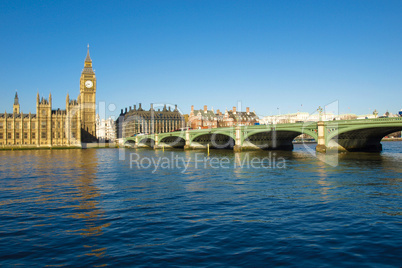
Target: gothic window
25, 135
33, 125
1, 125
43, 112
43, 124
9, 135
17, 125
33, 135
25, 125
1, 135
43, 135
9, 125
17, 135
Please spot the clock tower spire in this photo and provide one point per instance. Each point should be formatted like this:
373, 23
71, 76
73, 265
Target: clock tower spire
88, 58
88, 101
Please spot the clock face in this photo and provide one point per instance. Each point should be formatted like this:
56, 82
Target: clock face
88, 84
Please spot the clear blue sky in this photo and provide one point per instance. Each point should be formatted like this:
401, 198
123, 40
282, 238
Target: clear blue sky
266, 54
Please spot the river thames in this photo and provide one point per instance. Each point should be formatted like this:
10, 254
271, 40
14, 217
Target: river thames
90, 208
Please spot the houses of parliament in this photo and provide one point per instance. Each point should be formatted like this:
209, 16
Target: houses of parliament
54, 127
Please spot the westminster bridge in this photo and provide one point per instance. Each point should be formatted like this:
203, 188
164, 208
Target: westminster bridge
339, 135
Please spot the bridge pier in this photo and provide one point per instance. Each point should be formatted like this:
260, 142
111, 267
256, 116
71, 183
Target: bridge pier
321, 146
237, 148
162, 145
238, 144
156, 144
187, 145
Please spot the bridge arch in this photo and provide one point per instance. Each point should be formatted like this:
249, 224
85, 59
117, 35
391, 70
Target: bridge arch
173, 141
215, 140
275, 137
146, 142
215, 132
309, 131
130, 142
359, 137
270, 140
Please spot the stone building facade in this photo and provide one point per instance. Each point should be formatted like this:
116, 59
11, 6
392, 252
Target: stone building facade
139, 121
49, 127
105, 129
205, 118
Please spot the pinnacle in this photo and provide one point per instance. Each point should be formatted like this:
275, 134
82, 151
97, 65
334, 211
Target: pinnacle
88, 58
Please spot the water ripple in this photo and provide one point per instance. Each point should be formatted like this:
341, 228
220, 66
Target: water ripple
83, 208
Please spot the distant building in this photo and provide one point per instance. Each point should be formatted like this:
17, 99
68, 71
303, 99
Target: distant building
105, 129
350, 117
139, 121
287, 118
297, 117
205, 118
306, 117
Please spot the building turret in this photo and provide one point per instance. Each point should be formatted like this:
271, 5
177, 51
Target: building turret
16, 106
67, 101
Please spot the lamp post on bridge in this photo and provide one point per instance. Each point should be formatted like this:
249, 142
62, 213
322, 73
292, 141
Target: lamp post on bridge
320, 113
375, 113
321, 147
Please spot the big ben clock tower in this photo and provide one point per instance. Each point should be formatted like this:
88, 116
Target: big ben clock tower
87, 102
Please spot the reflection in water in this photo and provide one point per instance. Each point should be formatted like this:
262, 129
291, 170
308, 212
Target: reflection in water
84, 208
85, 169
323, 179
60, 184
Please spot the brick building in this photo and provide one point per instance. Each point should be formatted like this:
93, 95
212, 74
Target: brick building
205, 118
